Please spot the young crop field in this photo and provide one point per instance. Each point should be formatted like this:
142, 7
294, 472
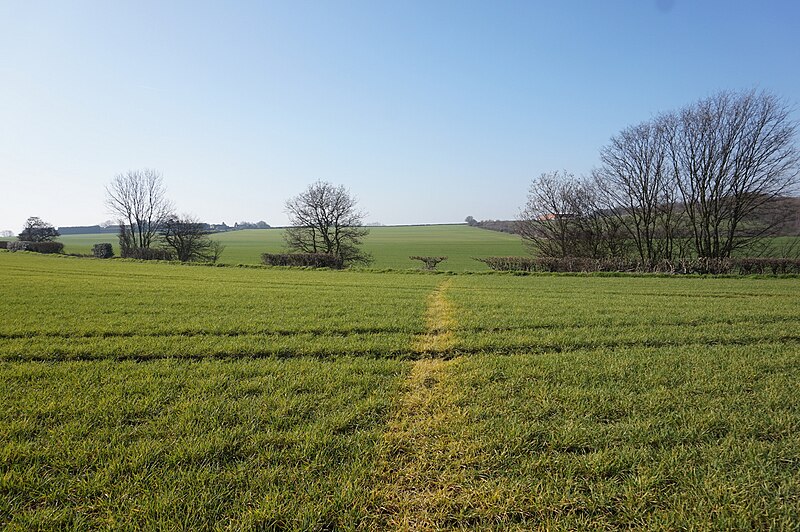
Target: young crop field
390, 247
161, 396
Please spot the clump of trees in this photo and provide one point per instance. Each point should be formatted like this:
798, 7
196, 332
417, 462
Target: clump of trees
325, 219
251, 225
188, 239
36, 235
37, 230
709, 180
148, 227
138, 200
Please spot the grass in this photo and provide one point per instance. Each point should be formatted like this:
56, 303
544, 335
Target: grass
642, 438
391, 247
87, 309
255, 444
136, 395
557, 313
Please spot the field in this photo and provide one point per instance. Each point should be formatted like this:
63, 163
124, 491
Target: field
137, 395
391, 247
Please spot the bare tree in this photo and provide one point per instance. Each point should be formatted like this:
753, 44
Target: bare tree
715, 176
637, 188
562, 218
325, 219
37, 230
138, 199
734, 159
215, 251
189, 240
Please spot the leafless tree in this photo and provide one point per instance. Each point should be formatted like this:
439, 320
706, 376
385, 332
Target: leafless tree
637, 188
215, 251
189, 240
138, 200
734, 159
325, 218
562, 218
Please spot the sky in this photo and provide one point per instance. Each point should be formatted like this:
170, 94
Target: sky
427, 111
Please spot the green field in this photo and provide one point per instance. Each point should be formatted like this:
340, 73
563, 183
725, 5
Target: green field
391, 247
146, 395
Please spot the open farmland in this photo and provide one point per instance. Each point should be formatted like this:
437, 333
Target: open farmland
140, 395
391, 247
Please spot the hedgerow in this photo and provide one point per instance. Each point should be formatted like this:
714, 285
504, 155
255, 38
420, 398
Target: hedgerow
307, 260
701, 265
38, 247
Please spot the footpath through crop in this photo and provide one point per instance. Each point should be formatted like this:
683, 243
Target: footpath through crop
411, 487
439, 320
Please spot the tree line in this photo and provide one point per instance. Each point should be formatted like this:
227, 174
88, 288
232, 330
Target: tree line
710, 180
324, 220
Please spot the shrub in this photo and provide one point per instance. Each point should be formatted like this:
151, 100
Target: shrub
3, 244
18, 245
38, 247
308, 260
698, 265
103, 251
429, 262
46, 247
508, 264
774, 266
147, 254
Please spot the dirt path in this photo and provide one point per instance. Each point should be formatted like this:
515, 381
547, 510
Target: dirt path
439, 322
411, 487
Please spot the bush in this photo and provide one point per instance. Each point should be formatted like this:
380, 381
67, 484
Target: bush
47, 247
38, 247
429, 262
307, 260
774, 266
510, 264
17, 245
103, 251
3, 244
147, 254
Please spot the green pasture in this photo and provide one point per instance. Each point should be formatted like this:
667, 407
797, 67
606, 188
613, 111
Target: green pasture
267, 444
123, 309
141, 395
390, 247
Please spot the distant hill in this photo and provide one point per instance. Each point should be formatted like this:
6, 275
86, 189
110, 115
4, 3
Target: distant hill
390, 246
112, 229
88, 230
789, 207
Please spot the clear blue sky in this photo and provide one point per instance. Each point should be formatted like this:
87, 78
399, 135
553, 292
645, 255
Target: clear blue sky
428, 111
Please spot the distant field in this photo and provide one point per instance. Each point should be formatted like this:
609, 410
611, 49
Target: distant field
162, 396
389, 246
